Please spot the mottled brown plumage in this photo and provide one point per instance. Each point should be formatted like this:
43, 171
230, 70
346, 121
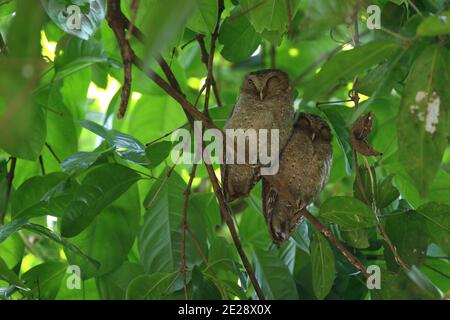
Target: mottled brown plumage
265, 102
304, 170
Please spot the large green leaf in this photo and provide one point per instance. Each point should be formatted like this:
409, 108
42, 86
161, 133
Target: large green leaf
334, 114
22, 122
113, 286
346, 65
160, 237
12, 250
91, 15
437, 222
45, 279
9, 276
35, 196
150, 286
109, 237
423, 119
271, 15
101, 186
323, 269
273, 276
239, 39
349, 213
407, 233
128, 147
204, 18
75, 54
435, 25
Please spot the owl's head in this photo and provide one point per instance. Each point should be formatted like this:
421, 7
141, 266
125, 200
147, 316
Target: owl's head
265, 84
315, 126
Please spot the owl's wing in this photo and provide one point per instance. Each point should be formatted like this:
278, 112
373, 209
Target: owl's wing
269, 197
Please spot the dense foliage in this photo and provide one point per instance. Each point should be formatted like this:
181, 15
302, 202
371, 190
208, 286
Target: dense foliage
86, 193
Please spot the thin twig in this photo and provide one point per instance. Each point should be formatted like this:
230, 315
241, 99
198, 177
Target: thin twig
41, 164
205, 60
187, 194
3, 47
10, 179
212, 52
53, 153
380, 228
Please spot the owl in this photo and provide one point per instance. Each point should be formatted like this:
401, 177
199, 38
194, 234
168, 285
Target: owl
265, 102
304, 170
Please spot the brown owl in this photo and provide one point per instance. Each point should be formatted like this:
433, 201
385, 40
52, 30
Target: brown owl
304, 169
265, 102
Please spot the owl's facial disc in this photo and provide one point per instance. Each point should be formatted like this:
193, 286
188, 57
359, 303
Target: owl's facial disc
259, 84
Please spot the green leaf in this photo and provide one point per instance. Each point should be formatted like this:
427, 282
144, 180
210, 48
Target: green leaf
126, 146
10, 228
22, 122
323, 269
150, 286
387, 192
113, 286
273, 275
356, 238
101, 187
407, 233
80, 161
424, 283
204, 18
437, 222
203, 289
75, 54
91, 16
109, 237
334, 114
349, 213
158, 152
160, 237
345, 65
423, 121
269, 15
239, 39
12, 250
34, 196
45, 279
435, 25
301, 237
10, 277
66, 244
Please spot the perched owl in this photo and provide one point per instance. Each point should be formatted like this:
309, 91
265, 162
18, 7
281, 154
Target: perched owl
304, 169
265, 102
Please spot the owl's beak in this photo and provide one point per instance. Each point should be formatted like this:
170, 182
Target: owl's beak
261, 95
313, 136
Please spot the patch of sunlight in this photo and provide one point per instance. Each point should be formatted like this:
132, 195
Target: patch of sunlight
102, 97
48, 47
293, 52
135, 96
257, 51
62, 255
51, 222
196, 83
28, 262
347, 47
318, 70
